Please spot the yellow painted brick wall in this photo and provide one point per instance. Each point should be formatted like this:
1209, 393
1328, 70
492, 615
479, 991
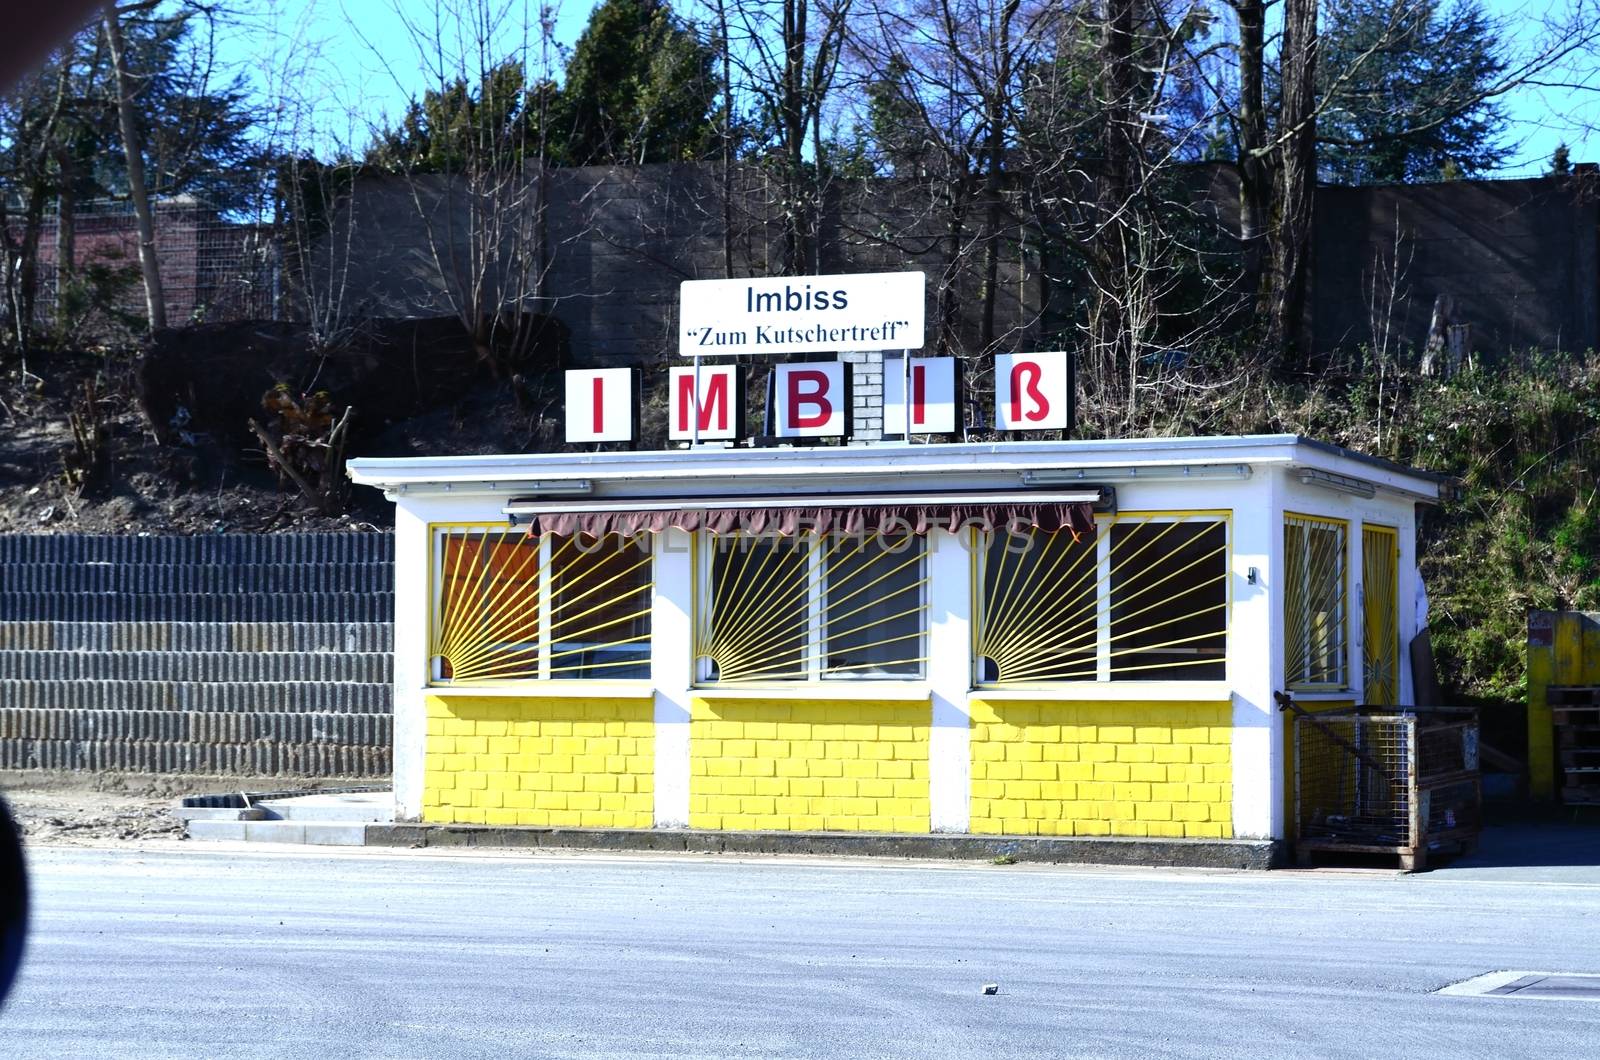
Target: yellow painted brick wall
551, 762
1126, 769
759, 764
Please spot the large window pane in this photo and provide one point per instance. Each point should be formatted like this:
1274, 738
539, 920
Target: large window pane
1169, 599
1038, 608
757, 624
486, 621
874, 612
599, 608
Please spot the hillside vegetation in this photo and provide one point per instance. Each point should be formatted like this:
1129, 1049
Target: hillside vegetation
1523, 441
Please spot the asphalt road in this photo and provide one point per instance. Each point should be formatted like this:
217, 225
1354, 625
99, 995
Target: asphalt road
193, 951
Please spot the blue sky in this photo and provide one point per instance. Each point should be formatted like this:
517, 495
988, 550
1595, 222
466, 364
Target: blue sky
350, 64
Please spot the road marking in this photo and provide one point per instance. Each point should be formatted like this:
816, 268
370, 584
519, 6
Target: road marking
1529, 986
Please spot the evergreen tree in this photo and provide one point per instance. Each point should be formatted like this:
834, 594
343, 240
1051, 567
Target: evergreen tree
452, 127
1403, 84
640, 87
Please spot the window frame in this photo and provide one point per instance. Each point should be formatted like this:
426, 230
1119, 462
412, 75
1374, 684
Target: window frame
1105, 674
815, 672
546, 648
1341, 681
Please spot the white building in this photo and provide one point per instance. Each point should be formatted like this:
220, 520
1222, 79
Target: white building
1041, 638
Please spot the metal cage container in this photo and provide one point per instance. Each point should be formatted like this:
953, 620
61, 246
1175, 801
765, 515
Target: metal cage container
1385, 780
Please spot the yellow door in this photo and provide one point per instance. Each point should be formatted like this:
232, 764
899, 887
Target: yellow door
1380, 651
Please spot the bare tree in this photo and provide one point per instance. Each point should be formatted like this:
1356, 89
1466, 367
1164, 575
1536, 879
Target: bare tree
1277, 153
133, 152
35, 110
480, 194
784, 56
1296, 176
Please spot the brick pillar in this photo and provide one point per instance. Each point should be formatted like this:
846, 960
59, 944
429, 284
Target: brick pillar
866, 386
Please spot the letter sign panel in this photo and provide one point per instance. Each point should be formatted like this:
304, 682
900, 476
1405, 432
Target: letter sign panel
1030, 391
602, 405
933, 395
720, 409
811, 400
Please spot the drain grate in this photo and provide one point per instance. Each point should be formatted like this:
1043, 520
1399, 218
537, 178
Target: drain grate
1532, 986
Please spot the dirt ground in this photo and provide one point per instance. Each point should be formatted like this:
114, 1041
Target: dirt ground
208, 484
84, 809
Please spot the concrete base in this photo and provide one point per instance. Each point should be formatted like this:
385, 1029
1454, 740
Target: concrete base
1075, 850
326, 834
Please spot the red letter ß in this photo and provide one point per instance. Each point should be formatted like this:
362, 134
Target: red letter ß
1041, 404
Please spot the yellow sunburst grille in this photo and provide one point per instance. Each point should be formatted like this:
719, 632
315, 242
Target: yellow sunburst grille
1314, 604
1380, 649
1142, 598
811, 607
511, 606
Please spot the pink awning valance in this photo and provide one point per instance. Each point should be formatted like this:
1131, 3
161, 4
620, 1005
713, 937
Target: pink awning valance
889, 519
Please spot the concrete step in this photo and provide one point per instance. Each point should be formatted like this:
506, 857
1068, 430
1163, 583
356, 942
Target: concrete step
209, 548
264, 758
198, 607
354, 730
310, 833
199, 636
209, 667
273, 696
373, 807
99, 577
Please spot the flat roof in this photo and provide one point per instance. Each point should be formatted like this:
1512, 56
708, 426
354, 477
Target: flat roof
663, 469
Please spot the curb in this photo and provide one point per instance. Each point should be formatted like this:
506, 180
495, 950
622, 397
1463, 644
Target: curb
1057, 850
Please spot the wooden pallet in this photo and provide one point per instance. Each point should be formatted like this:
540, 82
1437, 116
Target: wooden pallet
1575, 710
1460, 841
1576, 717
1582, 795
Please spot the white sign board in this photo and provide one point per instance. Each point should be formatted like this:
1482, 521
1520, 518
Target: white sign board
1030, 391
802, 314
811, 400
602, 405
720, 409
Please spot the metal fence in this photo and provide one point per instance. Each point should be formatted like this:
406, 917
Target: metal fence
1379, 781
212, 268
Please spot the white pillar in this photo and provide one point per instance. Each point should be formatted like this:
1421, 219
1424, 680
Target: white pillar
949, 651
1255, 657
672, 672
1408, 582
411, 607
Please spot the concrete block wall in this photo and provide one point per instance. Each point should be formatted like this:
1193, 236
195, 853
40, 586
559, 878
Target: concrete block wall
262, 654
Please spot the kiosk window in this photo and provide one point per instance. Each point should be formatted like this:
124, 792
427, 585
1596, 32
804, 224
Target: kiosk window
511, 607
811, 607
1141, 599
1314, 605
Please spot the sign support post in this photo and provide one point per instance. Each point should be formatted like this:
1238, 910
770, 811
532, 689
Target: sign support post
905, 392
